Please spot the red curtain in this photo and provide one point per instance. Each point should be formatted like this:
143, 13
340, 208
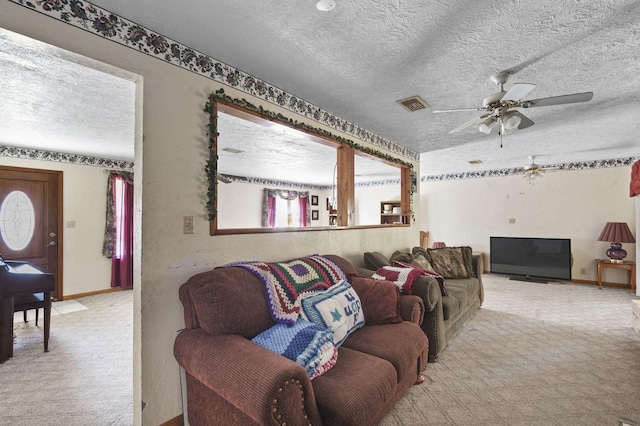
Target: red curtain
304, 201
122, 259
634, 187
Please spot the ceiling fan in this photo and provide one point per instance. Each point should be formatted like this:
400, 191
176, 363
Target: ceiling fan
534, 171
500, 108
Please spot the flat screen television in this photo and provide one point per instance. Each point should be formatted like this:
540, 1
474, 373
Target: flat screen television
531, 258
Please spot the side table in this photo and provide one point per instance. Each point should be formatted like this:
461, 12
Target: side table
628, 265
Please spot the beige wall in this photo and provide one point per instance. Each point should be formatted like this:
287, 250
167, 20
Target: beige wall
563, 204
172, 186
84, 190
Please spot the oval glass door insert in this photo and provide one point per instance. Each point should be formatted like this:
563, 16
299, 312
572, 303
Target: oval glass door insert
17, 220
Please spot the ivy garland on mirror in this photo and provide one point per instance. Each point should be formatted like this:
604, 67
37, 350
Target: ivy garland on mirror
211, 167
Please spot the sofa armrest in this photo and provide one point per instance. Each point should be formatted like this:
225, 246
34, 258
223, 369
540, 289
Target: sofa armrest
427, 288
412, 308
265, 386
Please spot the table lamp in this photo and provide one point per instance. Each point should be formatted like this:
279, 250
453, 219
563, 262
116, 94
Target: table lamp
616, 233
438, 244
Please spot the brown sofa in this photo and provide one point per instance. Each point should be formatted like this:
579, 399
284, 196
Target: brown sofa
444, 315
230, 380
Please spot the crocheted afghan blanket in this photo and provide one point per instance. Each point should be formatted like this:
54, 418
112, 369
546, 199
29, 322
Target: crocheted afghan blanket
284, 282
306, 343
403, 278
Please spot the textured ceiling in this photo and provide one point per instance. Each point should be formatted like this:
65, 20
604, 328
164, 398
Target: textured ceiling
359, 59
56, 101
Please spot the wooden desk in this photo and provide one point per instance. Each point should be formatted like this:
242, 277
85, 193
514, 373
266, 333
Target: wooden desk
17, 278
628, 265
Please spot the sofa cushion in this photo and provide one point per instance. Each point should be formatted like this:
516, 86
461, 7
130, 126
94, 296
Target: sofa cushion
338, 307
452, 262
230, 301
356, 390
383, 341
461, 291
346, 266
306, 343
380, 300
374, 260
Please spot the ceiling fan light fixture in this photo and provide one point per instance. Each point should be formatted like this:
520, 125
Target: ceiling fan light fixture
486, 125
531, 175
511, 121
325, 5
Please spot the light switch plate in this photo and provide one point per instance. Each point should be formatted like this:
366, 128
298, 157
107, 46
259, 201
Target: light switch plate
187, 225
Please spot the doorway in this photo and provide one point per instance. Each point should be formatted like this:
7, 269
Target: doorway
31, 220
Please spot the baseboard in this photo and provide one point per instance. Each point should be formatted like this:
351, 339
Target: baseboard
93, 293
176, 421
604, 283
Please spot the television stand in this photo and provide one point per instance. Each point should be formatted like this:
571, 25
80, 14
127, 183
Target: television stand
528, 279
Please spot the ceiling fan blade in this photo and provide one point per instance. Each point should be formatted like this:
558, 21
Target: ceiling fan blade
476, 120
524, 121
559, 100
518, 91
456, 110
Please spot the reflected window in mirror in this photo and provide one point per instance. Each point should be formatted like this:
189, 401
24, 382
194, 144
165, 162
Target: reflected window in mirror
375, 182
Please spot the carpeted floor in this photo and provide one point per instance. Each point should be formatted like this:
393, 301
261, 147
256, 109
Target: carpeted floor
85, 378
534, 354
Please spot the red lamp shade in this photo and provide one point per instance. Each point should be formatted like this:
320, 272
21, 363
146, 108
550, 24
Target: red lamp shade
616, 233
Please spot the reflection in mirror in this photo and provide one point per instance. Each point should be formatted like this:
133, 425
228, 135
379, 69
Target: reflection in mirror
270, 177
254, 154
377, 185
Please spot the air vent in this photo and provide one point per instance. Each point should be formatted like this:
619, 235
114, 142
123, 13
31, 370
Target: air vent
414, 103
475, 161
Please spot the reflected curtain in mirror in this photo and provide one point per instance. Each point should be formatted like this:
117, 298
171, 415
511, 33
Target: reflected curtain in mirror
272, 216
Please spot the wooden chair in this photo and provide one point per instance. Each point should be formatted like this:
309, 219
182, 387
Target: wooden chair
424, 239
31, 301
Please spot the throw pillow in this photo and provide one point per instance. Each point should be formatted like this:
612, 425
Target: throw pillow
380, 300
439, 278
306, 343
374, 260
416, 259
421, 251
452, 262
400, 256
337, 307
421, 262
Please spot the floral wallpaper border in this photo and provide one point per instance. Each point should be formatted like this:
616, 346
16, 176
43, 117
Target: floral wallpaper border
616, 162
82, 160
271, 182
288, 184
100, 22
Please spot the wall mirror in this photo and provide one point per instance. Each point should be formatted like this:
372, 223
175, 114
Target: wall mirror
300, 171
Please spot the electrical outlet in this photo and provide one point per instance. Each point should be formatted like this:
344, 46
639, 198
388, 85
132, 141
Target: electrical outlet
512, 220
583, 271
71, 224
187, 225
